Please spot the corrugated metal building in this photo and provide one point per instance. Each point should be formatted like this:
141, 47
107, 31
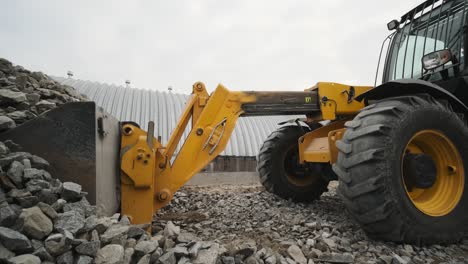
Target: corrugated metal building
164, 108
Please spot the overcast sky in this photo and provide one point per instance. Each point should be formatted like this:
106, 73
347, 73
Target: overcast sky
244, 44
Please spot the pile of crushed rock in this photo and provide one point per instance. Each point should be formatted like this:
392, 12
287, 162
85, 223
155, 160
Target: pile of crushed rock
25, 94
43, 220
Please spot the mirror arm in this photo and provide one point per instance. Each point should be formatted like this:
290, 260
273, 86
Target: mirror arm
428, 73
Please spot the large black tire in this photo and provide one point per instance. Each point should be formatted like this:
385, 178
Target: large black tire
370, 173
280, 171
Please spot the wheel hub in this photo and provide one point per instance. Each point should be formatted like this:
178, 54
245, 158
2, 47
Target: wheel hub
420, 170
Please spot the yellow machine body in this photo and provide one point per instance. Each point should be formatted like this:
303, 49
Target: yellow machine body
339, 99
336, 100
151, 174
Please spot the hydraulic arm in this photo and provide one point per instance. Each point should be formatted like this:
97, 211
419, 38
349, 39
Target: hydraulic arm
151, 174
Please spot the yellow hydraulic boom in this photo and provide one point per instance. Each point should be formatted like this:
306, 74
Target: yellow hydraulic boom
150, 173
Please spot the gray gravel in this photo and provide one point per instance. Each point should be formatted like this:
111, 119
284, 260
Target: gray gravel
280, 231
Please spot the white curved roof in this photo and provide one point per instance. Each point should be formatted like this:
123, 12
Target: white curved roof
142, 106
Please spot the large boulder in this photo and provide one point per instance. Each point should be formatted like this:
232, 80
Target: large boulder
36, 185
8, 215
39, 163
36, 224
58, 244
6, 123
71, 221
15, 173
25, 259
11, 97
115, 232
71, 191
145, 247
14, 240
47, 210
88, 248
110, 254
82, 207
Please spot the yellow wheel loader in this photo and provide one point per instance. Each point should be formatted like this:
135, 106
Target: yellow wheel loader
398, 150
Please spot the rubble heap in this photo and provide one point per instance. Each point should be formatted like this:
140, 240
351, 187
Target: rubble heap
44, 220
25, 94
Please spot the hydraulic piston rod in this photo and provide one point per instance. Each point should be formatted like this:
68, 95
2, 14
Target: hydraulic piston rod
282, 103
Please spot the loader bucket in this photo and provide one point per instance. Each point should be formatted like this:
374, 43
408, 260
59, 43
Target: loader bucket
81, 143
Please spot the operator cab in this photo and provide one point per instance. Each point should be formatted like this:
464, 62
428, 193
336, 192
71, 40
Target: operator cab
428, 44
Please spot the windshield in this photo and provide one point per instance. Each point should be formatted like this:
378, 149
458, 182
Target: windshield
439, 28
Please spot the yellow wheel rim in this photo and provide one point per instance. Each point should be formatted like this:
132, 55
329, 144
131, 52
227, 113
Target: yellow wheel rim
443, 196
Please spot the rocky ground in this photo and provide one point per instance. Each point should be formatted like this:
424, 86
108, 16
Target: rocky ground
257, 227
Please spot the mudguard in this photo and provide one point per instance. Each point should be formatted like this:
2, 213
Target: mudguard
412, 86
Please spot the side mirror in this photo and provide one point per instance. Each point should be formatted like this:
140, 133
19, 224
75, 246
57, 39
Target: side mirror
436, 59
393, 24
